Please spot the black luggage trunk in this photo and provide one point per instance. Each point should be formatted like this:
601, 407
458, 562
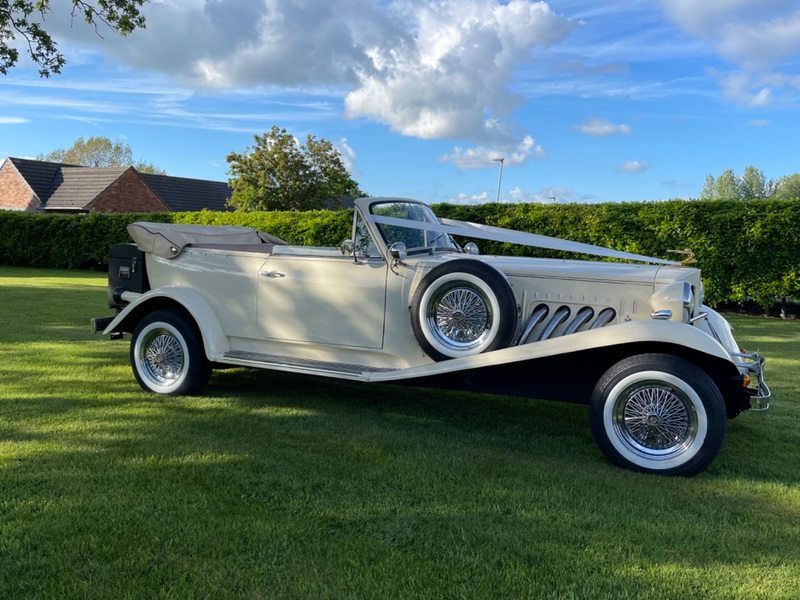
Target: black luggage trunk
126, 272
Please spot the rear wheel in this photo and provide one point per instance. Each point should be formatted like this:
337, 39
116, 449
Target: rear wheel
657, 413
167, 355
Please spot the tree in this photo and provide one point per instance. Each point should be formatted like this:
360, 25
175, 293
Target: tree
24, 20
99, 152
728, 186
280, 173
709, 188
788, 187
754, 184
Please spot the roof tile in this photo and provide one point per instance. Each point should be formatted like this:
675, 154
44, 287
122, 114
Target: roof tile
61, 186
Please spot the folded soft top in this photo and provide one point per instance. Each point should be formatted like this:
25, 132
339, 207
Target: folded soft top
168, 239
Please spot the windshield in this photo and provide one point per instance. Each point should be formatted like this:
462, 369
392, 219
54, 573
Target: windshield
414, 236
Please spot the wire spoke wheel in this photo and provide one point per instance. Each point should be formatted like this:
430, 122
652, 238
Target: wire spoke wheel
463, 307
460, 316
658, 413
167, 354
655, 419
162, 356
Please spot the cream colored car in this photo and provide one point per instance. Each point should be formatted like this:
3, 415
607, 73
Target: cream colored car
402, 302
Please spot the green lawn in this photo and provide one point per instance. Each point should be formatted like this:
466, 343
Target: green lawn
275, 486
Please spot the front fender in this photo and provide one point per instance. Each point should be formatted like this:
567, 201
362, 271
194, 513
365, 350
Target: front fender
653, 332
215, 342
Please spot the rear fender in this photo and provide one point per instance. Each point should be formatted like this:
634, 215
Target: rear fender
192, 302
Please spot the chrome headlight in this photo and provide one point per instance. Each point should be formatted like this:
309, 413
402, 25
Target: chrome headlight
674, 302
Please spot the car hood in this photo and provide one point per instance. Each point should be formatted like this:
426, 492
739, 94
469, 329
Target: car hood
595, 271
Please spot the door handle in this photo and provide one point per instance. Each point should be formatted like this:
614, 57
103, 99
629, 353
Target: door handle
272, 274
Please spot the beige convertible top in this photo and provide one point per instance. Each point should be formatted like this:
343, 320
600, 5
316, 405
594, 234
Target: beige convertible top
168, 239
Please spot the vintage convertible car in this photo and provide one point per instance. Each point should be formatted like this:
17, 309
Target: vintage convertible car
402, 302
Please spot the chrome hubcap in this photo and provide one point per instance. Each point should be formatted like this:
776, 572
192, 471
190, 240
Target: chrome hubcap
460, 317
655, 419
162, 357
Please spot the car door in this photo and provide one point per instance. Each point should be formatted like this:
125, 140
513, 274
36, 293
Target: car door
320, 296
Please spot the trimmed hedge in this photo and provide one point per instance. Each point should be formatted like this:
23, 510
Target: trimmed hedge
746, 249
83, 241
311, 228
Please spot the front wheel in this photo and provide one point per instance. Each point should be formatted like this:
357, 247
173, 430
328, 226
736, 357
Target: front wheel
167, 355
657, 413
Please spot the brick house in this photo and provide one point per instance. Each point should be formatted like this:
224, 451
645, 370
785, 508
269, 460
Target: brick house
35, 185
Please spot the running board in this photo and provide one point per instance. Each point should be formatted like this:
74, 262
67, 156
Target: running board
302, 365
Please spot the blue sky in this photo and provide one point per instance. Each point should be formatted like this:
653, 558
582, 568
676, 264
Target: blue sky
586, 101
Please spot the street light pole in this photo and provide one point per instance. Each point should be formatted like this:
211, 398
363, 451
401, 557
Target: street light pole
500, 160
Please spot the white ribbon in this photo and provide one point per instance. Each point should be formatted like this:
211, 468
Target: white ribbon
499, 234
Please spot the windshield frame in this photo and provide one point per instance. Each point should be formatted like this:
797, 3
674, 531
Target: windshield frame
415, 239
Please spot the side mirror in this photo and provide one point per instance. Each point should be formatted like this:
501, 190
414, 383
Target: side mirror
398, 251
471, 248
346, 247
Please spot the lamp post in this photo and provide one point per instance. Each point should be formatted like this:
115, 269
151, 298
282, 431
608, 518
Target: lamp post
500, 160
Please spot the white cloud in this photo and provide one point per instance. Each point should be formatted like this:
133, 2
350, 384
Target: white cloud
435, 69
546, 195
633, 166
229, 43
755, 32
450, 77
757, 36
758, 123
601, 128
550, 195
463, 198
763, 43
743, 88
481, 157
347, 154
12, 120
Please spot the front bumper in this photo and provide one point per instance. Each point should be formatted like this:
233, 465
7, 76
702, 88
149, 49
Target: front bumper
753, 364
749, 364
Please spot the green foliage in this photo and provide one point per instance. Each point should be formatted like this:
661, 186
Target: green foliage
751, 185
754, 183
309, 228
280, 173
24, 21
728, 186
788, 187
709, 188
65, 241
746, 249
99, 152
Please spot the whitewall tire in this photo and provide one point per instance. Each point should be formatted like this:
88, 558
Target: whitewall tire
657, 413
461, 308
167, 355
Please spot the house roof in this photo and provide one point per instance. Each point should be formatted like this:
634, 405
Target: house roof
62, 186
38, 174
74, 188
181, 194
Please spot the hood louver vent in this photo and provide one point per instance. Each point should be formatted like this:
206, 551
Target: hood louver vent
584, 316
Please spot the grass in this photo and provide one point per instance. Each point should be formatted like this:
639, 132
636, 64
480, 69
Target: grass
276, 486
